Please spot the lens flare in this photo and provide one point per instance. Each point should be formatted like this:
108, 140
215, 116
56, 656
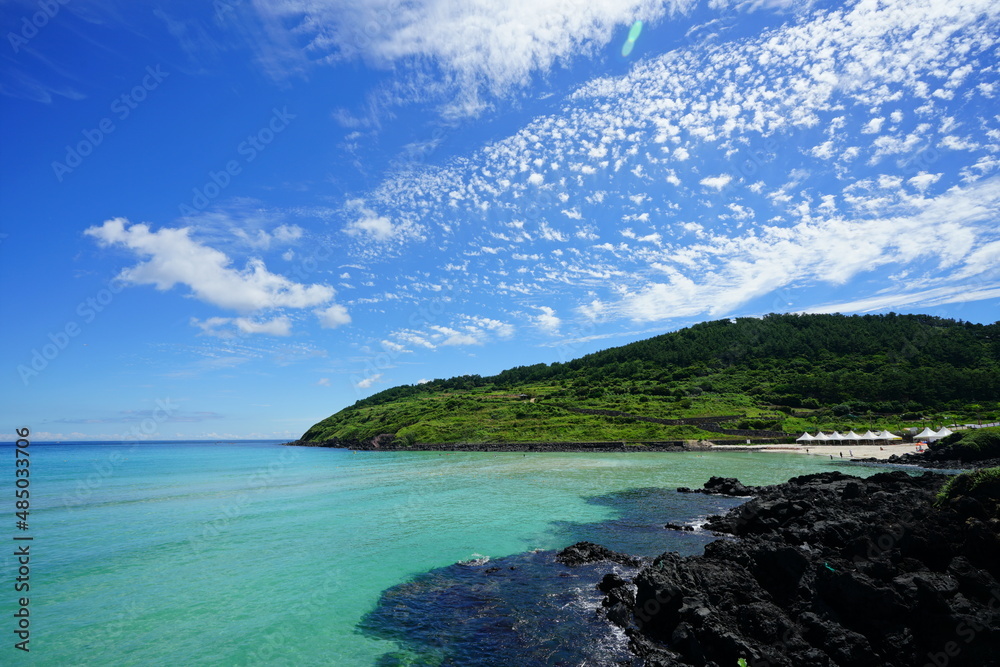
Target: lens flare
633, 34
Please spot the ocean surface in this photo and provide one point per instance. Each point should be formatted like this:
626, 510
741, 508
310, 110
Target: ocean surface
253, 553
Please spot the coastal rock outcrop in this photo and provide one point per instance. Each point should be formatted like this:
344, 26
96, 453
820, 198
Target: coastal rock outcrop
950, 459
722, 486
583, 553
826, 569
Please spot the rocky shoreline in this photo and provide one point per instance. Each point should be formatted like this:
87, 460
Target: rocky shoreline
947, 458
826, 569
388, 445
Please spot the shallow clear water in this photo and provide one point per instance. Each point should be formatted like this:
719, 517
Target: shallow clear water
254, 553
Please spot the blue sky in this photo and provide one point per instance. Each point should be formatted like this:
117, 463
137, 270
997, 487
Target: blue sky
231, 219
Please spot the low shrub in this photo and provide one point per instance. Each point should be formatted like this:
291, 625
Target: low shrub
982, 483
972, 445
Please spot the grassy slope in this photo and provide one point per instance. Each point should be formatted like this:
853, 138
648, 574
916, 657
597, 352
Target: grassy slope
642, 379
485, 415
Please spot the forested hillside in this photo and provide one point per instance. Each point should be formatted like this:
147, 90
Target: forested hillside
779, 372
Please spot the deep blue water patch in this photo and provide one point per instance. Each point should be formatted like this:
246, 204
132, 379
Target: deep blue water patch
641, 514
524, 609
528, 609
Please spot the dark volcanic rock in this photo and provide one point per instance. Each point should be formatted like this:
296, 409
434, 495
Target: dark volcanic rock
677, 526
937, 459
828, 569
722, 486
583, 553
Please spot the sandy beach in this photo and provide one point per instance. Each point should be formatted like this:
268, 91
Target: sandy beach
848, 451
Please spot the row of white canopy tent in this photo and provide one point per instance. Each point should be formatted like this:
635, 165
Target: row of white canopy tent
848, 437
928, 434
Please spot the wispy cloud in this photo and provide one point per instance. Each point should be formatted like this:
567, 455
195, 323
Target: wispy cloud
132, 416
472, 52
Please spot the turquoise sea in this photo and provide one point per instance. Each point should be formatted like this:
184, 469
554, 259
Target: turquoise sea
166, 553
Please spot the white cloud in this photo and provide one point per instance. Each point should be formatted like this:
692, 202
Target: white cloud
415, 339
923, 298
834, 250
262, 239
393, 348
333, 316
230, 327
501, 329
923, 180
287, 233
452, 337
463, 330
369, 225
547, 320
984, 260
369, 381
323, 382
717, 182
379, 227
874, 126
173, 257
550, 234
479, 47
594, 310
279, 326
536, 179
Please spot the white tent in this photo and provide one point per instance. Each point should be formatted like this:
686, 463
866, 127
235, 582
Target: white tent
836, 436
805, 437
820, 437
868, 435
926, 434
852, 436
886, 435
944, 432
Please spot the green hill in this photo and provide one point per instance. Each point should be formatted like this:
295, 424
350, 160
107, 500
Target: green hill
778, 373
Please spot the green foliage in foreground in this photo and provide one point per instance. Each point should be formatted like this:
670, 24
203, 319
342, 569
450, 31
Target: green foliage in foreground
984, 482
783, 372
